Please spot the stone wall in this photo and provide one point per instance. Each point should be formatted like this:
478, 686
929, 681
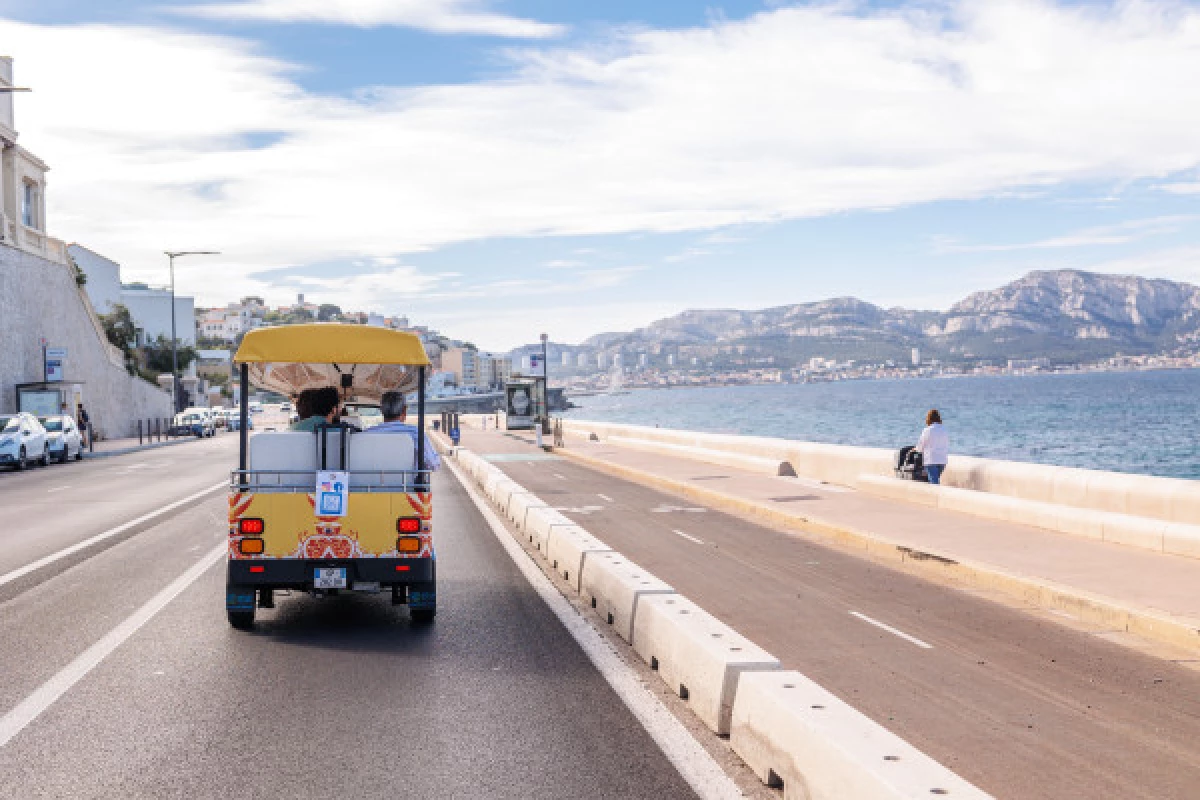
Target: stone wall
40, 299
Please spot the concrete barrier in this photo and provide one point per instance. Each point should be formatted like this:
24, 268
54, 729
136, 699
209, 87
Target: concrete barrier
509, 493
799, 737
696, 655
539, 522
568, 549
1152, 497
612, 584
520, 507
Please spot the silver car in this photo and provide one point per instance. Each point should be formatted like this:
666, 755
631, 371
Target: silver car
22, 439
62, 434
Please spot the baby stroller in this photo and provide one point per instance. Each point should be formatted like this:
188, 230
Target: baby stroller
910, 466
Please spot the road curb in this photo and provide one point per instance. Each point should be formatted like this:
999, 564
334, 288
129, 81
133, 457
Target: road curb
1040, 593
138, 448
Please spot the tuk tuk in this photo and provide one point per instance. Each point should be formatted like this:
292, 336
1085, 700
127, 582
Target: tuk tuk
334, 509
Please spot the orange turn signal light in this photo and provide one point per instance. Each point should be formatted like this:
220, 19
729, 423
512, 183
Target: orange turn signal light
408, 544
252, 526
408, 525
251, 547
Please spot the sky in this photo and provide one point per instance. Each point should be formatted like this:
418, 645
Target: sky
500, 168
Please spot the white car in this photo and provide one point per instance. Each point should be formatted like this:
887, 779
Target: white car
22, 439
62, 435
207, 415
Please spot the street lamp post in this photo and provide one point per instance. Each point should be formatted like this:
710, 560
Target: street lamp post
171, 256
545, 387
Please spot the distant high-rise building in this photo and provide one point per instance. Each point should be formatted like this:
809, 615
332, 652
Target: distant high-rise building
916, 356
670, 359
300, 299
566, 358
642, 359
581, 360
616, 360
600, 360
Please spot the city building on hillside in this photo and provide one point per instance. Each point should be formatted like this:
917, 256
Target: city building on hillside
232, 321
463, 363
494, 370
151, 312
22, 184
103, 285
376, 320
581, 360
566, 358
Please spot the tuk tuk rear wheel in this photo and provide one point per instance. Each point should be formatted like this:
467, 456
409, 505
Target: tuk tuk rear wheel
242, 620
422, 616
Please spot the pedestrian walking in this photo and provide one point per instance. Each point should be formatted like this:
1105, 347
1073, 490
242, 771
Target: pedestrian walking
934, 446
85, 432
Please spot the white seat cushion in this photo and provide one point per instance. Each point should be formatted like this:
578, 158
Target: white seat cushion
373, 453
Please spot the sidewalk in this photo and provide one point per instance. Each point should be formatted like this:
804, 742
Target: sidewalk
1149, 594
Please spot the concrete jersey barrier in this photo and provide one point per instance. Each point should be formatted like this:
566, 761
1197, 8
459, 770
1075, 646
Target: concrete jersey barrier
613, 585
798, 736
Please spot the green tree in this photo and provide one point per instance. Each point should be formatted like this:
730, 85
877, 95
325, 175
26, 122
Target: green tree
327, 312
158, 355
122, 334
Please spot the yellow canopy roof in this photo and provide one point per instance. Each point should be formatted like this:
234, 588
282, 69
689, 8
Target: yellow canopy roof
329, 343
292, 358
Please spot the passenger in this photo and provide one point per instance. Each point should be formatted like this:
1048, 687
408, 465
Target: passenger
934, 446
395, 410
320, 405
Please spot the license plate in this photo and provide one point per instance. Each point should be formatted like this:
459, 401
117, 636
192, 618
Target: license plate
329, 578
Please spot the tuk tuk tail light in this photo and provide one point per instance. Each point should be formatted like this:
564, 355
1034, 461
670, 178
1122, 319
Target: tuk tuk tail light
408, 525
408, 544
251, 547
251, 526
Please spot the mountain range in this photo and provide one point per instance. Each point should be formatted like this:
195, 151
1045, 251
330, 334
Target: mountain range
1067, 316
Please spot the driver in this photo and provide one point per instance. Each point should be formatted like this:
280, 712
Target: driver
395, 410
318, 407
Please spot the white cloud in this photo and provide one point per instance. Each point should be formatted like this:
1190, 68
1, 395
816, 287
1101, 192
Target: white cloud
1118, 233
435, 16
200, 141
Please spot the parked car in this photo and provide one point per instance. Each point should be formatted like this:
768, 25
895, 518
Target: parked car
22, 439
233, 420
63, 438
192, 423
208, 417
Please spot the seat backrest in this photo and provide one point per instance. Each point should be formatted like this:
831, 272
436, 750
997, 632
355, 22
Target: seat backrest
282, 451
372, 453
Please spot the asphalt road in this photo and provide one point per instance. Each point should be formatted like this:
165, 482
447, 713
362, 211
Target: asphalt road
1019, 705
340, 697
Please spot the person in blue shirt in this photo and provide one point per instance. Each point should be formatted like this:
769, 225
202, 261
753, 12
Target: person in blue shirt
395, 410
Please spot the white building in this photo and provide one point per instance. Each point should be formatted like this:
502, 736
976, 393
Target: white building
600, 360
22, 185
494, 370
581, 360
103, 285
232, 321
670, 359
376, 319
566, 358
151, 311
916, 356
643, 359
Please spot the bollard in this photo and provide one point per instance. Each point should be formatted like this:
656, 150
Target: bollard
91, 434
139, 433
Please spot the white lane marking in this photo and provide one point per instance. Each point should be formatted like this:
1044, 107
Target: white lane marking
560, 477
57, 489
669, 509
892, 630
20, 572
584, 510
605, 497
694, 763
684, 535
49, 692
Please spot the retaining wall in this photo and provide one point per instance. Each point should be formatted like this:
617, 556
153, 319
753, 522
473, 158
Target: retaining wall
39, 299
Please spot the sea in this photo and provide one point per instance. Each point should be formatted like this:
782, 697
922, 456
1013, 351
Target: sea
1141, 422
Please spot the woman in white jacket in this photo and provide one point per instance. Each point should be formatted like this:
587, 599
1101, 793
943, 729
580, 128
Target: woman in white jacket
934, 446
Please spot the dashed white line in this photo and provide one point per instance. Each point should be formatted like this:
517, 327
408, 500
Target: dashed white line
560, 477
49, 692
892, 630
686, 536
604, 497
57, 489
9, 577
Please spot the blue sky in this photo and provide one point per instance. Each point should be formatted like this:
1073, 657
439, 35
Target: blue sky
499, 168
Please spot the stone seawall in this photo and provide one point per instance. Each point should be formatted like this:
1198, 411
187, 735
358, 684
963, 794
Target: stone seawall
39, 299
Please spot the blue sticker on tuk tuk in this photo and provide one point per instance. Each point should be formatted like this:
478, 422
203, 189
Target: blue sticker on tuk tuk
332, 493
